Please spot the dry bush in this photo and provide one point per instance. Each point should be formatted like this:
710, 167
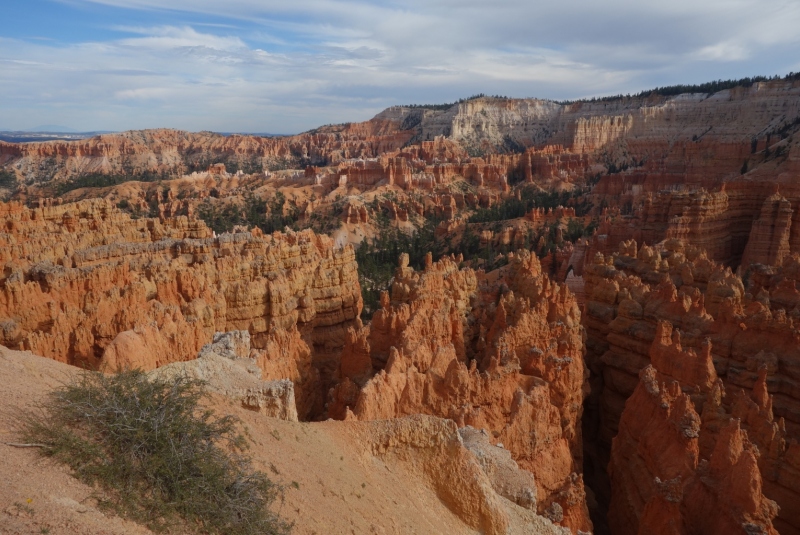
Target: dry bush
158, 457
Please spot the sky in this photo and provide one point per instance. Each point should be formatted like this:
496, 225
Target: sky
286, 66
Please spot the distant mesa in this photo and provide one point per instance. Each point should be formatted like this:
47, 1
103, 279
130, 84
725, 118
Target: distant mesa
47, 133
51, 129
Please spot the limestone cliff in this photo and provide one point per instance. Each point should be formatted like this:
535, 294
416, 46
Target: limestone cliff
685, 129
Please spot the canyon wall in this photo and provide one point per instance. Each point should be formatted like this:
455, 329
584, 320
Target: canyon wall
662, 480
723, 328
739, 218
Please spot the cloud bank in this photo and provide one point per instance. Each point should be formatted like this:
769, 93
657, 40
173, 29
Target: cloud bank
283, 67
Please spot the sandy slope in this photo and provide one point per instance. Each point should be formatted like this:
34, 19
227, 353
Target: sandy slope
397, 476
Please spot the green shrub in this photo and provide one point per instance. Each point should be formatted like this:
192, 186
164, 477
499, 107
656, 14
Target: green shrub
576, 229
7, 179
158, 456
280, 164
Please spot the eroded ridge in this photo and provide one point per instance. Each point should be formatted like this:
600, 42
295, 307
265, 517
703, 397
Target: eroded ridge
85, 284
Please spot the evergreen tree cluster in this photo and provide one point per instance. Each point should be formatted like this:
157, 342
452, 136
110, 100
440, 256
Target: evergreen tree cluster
448, 105
8, 180
248, 166
530, 197
99, 180
680, 89
377, 258
251, 212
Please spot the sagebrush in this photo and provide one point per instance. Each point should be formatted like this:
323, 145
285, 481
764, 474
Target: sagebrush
156, 454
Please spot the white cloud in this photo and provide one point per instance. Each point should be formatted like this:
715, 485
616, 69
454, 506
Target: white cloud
143, 93
170, 37
728, 51
22, 62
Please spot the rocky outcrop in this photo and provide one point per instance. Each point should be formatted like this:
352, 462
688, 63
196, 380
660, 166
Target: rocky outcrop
769, 239
500, 352
225, 367
508, 480
457, 476
662, 484
355, 214
85, 284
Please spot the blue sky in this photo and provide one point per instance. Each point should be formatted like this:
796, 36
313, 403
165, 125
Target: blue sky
288, 66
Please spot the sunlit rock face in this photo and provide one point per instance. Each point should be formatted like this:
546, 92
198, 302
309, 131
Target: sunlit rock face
501, 351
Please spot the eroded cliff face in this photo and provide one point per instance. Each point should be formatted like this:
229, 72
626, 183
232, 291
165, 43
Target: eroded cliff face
85, 284
686, 130
499, 351
695, 320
